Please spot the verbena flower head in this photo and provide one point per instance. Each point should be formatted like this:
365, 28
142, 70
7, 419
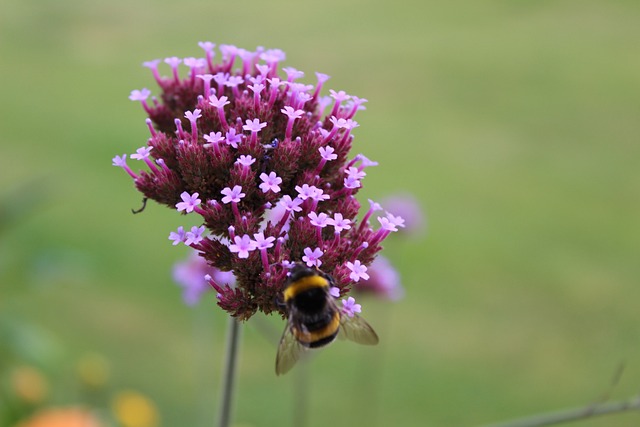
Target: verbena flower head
249, 150
191, 274
408, 207
383, 281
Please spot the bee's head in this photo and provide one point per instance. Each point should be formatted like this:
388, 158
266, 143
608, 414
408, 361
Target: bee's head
301, 270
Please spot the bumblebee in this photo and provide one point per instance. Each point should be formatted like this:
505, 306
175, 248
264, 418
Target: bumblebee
314, 320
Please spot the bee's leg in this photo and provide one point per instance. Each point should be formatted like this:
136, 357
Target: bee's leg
279, 302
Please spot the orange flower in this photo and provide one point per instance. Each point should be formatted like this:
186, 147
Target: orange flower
29, 384
61, 417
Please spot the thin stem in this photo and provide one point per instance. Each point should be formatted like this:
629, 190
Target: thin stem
575, 414
202, 337
368, 375
231, 358
301, 394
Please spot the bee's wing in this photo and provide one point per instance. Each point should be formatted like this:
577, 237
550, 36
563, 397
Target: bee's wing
289, 351
357, 330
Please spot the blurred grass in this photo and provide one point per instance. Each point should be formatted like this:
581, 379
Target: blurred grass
514, 123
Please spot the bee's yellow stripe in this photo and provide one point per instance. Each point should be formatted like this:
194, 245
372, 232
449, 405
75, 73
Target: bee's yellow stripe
303, 284
311, 337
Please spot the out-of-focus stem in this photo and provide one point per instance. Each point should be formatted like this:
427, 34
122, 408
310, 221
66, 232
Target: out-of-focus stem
301, 393
228, 381
575, 414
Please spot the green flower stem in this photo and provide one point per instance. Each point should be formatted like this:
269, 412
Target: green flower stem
301, 393
575, 414
228, 382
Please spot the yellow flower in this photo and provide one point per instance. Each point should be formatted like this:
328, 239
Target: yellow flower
133, 409
93, 370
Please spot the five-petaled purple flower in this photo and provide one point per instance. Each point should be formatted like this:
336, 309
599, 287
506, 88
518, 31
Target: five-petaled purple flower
245, 160
140, 95
312, 257
242, 246
233, 138
188, 203
358, 271
292, 114
177, 236
194, 236
254, 126
339, 223
319, 219
263, 242
350, 308
291, 204
251, 150
334, 292
327, 153
213, 138
270, 182
142, 153
234, 194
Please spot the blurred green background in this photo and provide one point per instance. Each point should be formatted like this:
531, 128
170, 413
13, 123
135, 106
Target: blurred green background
515, 123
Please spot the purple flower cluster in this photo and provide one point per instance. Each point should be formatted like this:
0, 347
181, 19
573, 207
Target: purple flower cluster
382, 280
253, 154
193, 275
